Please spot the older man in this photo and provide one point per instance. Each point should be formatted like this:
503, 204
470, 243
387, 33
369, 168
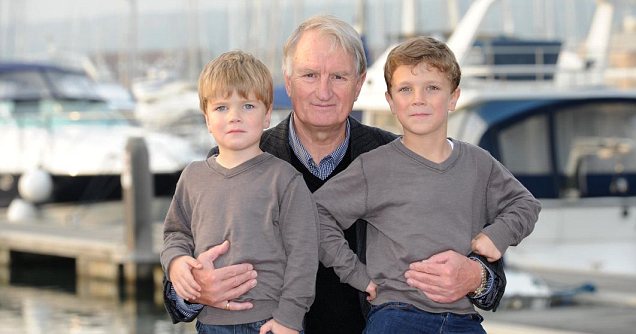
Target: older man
324, 68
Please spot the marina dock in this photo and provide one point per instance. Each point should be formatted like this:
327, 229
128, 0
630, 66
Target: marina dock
95, 236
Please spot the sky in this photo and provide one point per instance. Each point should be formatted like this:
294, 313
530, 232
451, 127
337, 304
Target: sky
37, 11
29, 25
36, 27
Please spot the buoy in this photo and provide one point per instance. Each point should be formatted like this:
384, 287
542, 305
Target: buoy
35, 185
21, 211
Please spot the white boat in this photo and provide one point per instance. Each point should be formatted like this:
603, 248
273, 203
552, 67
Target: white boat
570, 139
53, 119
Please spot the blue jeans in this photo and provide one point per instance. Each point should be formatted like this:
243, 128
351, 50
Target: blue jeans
407, 319
250, 328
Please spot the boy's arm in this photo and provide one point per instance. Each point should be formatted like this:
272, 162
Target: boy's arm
511, 212
177, 232
299, 231
178, 241
340, 202
511, 209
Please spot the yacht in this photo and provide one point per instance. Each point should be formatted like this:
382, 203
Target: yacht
53, 119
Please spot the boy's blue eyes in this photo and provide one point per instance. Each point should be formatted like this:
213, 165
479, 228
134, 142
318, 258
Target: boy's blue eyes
428, 88
247, 106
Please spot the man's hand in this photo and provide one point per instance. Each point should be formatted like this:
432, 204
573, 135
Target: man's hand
444, 277
371, 291
272, 326
220, 286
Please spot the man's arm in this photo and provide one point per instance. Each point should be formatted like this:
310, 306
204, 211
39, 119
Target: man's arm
449, 276
495, 285
176, 307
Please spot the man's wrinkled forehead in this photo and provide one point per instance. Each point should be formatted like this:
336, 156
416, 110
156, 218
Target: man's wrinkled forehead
307, 46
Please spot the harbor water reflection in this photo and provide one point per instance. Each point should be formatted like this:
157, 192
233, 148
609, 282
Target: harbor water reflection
44, 297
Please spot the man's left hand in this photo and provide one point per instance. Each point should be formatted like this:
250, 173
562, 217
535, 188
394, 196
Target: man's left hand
444, 277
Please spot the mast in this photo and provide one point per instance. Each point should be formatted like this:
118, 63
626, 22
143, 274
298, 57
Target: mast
463, 37
598, 37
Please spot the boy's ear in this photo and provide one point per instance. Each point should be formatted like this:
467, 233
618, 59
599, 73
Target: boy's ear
453, 100
207, 122
390, 100
268, 118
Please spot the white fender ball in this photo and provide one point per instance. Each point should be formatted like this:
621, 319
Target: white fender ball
35, 185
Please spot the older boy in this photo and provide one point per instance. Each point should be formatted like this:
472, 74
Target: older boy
251, 199
420, 194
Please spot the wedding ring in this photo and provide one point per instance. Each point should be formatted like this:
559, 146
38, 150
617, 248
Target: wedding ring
227, 305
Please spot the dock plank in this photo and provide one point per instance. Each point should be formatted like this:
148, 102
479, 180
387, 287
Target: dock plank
93, 231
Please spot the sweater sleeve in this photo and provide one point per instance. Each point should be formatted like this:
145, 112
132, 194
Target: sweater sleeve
299, 228
177, 232
512, 210
340, 202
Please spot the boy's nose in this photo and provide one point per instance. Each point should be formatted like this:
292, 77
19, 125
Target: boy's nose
234, 116
419, 96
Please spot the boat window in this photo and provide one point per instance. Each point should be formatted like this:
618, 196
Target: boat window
524, 146
595, 145
601, 135
22, 85
73, 85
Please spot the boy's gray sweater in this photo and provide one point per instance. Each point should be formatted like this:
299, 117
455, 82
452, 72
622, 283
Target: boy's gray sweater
265, 210
416, 208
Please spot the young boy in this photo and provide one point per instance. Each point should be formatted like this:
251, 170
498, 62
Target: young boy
254, 201
421, 194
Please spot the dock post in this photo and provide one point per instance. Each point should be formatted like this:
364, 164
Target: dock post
5, 262
138, 189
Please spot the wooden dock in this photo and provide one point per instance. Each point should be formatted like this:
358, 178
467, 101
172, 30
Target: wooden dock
110, 240
95, 235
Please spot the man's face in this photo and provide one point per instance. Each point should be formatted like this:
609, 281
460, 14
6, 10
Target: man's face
324, 82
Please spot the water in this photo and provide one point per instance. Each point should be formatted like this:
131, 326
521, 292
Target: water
42, 295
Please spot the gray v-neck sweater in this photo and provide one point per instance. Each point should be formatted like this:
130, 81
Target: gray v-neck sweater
416, 208
265, 210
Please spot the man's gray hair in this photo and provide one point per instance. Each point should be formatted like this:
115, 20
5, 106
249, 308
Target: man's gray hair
342, 33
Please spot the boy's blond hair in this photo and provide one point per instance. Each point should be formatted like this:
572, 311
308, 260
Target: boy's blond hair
427, 50
236, 71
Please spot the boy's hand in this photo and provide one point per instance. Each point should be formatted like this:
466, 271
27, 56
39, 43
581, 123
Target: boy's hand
372, 291
483, 246
180, 274
276, 328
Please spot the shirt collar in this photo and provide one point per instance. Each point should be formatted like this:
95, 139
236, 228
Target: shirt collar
328, 164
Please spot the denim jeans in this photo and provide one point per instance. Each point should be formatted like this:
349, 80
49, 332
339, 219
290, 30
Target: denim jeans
407, 319
249, 328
